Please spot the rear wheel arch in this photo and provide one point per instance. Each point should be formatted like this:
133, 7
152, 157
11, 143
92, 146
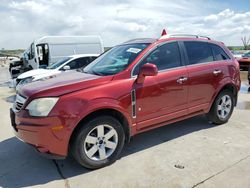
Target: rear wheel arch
108, 112
222, 107
229, 86
232, 88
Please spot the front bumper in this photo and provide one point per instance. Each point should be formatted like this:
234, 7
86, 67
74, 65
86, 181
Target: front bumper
39, 133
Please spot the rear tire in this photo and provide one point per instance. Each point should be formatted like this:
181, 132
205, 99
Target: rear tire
222, 108
98, 143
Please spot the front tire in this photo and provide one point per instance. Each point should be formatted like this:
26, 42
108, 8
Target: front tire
98, 143
222, 108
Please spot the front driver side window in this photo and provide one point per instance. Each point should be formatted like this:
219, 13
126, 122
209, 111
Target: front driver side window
79, 63
164, 57
73, 64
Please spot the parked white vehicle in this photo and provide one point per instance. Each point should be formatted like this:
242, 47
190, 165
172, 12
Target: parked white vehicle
47, 50
238, 53
67, 63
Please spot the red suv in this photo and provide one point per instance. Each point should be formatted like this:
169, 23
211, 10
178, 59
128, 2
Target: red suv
134, 87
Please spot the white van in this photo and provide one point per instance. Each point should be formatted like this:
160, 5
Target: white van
48, 50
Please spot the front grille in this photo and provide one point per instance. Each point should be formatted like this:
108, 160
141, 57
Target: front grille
19, 102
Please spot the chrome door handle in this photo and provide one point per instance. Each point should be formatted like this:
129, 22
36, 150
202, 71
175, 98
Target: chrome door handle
216, 72
181, 80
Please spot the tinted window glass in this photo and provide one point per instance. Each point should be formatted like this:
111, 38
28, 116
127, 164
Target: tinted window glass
164, 57
79, 63
219, 53
198, 52
58, 63
83, 62
32, 51
73, 64
92, 58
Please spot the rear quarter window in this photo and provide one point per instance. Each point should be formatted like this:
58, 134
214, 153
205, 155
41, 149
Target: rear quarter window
219, 53
198, 52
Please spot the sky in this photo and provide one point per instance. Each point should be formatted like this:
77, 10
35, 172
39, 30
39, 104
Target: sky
116, 21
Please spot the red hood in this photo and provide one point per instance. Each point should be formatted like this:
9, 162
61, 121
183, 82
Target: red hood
63, 83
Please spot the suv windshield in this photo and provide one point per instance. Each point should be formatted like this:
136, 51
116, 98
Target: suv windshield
115, 60
59, 63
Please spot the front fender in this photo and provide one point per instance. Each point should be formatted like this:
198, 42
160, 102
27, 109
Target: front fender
72, 110
106, 103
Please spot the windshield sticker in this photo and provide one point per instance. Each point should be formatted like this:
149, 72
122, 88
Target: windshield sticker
134, 50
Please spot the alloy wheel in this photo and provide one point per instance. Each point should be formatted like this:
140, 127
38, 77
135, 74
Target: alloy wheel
224, 107
100, 142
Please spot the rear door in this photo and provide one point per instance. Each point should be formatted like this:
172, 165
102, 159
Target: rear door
163, 97
201, 78
224, 64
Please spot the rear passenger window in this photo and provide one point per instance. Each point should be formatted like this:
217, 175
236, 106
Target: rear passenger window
164, 57
219, 53
198, 52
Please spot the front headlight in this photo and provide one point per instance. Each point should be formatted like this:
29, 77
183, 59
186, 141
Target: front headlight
42, 106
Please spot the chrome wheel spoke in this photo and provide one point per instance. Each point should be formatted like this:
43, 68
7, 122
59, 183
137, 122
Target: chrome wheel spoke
224, 98
227, 110
228, 102
100, 131
92, 151
91, 139
219, 107
111, 145
102, 153
110, 134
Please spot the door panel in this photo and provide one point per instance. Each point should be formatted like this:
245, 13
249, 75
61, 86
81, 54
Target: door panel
202, 86
160, 96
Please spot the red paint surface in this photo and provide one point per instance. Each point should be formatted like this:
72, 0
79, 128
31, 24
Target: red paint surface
159, 99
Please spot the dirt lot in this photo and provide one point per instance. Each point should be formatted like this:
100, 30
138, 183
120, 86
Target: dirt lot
190, 153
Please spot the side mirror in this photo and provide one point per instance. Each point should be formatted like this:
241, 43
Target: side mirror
66, 67
148, 69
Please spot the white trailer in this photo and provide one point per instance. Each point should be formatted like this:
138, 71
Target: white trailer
49, 49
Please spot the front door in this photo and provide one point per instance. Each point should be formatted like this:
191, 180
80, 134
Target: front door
163, 97
32, 57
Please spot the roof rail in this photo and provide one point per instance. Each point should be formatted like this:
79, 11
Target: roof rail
185, 35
